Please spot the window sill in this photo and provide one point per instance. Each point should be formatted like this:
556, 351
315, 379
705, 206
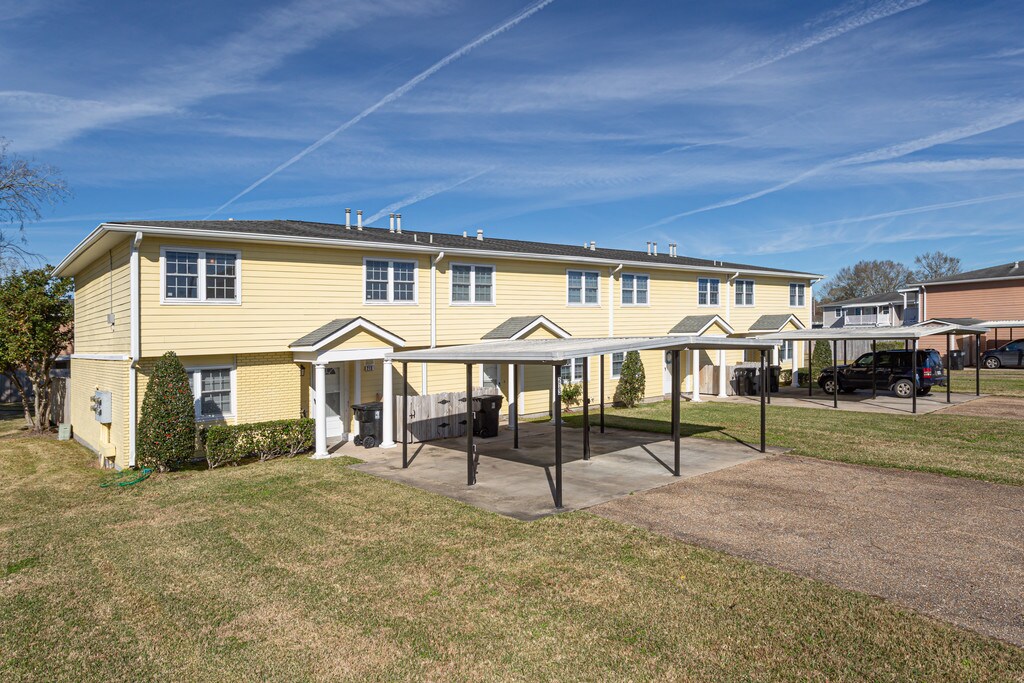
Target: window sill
198, 302
460, 304
583, 305
219, 418
391, 303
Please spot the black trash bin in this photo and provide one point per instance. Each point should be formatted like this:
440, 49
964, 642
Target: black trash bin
957, 360
370, 417
776, 372
746, 380
486, 410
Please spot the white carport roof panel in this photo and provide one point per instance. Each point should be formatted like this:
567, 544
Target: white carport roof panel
877, 333
555, 351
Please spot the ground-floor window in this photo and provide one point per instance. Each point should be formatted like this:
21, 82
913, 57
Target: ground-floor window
214, 392
573, 370
786, 351
617, 360
490, 376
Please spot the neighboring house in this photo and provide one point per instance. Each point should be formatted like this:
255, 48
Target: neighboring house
891, 309
991, 297
266, 315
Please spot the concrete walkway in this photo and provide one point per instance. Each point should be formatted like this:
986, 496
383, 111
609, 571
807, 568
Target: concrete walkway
520, 483
860, 401
949, 548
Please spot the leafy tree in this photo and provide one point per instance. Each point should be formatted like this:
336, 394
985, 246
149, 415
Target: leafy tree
572, 395
935, 265
36, 325
865, 278
632, 381
167, 425
25, 187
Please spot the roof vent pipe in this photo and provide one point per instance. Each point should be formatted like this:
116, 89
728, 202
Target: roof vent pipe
672, 249
654, 245
593, 245
398, 223
392, 228
1016, 265
348, 219
359, 219
480, 235
648, 248
465, 233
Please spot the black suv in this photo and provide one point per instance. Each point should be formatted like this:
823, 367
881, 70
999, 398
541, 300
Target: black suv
892, 373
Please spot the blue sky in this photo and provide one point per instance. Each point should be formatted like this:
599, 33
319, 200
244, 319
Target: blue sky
801, 135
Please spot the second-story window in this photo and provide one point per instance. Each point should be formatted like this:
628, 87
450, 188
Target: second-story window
797, 295
634, 289
390, 281
472, 284
200, 276
707, 291
583, 288
744, 292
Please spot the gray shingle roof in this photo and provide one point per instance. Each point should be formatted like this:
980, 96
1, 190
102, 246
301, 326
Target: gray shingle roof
884, 298
771, 323
692, 324
1006, 270
512, 327
323, 332
288, 228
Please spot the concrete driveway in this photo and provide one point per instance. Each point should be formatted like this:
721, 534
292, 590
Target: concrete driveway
949, 548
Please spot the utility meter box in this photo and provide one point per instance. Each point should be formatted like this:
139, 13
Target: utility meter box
101, 406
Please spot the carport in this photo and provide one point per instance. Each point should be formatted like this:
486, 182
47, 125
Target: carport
910, 335
556, 353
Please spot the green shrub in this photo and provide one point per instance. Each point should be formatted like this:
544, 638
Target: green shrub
167, 425
785, 378
822, 356
572, 394
264, 440
632, 381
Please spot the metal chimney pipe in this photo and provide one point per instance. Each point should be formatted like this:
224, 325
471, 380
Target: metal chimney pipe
392, 228
480, 235
593, 245
398, 223
654, 245
348, 219
648, 248
359, 219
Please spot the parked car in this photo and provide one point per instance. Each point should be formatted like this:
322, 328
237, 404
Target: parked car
892, 373
1008, 355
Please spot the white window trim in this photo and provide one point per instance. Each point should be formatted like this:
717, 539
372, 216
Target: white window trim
583, 290
717, 304
611, 365
622, 289
201, 287
472, 285
501, 386
391, 281
571, 363
196, 380
783, 358
753, 293
799, 304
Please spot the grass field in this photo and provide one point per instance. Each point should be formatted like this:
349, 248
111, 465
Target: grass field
302, 569
955, 445
1002, 382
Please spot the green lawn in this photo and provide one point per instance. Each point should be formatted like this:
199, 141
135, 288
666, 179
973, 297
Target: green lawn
304, 569
1002, 382
956, 445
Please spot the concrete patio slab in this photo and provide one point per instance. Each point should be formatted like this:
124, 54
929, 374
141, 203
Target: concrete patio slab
861, 401
520, 483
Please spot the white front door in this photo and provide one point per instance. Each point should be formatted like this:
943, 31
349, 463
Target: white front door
334, 404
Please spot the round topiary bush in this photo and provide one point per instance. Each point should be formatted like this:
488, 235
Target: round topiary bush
632, 381
167, 427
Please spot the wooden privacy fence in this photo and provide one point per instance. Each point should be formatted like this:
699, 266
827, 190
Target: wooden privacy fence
60, 411
435, 416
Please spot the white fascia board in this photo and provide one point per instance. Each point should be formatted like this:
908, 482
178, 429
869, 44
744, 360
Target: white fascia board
546, 324
415, 247
915, 286
357, 324
101, 356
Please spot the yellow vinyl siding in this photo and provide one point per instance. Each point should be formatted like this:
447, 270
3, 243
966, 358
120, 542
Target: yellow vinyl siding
101, 289
86, 377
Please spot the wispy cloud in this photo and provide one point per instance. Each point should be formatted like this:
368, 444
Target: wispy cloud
426, 194
393, 95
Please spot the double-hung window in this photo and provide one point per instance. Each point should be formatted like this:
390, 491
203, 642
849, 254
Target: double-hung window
472, 284
214, 392
583, 288
796, 295
617, 360
573, 370
707, 291
389, 281
634, 289
744, 292
200, 276
786, 352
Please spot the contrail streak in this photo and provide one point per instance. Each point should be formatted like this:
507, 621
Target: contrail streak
426, 194
393, 95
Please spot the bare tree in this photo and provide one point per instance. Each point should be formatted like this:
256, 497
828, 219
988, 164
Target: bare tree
935, 265
25, 187
865, 278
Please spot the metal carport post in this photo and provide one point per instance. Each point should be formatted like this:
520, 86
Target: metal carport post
835, 374
764, 392
949, 362
405, 415
586, 408
977, 365
677, 471
913, 373
513, 412
558, 440
470, 464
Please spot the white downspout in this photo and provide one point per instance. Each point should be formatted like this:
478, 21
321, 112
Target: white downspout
133, 268
611, 299
728, 296
433, 317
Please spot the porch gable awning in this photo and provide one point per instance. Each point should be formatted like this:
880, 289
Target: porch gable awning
518, 327
772, 323
699, 324
339, 327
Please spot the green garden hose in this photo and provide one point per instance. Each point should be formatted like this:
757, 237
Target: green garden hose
143, 474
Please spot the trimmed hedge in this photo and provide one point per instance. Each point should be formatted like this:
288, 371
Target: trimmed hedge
264, 440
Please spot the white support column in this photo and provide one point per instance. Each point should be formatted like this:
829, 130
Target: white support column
520, 394
511, 391
723, 380
388, 398
794, 359
320, 408
357, 391
695, 371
